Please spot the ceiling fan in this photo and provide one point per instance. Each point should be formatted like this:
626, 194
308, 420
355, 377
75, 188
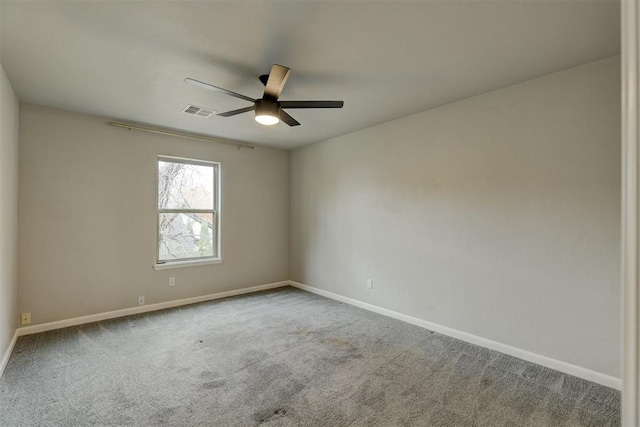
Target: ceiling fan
268, 109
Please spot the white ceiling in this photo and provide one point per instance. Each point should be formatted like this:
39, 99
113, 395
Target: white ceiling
385, 59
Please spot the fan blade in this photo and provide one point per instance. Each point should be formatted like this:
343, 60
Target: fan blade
311, 104
277, 78
216, 88
264, 78
238, 111
288, 119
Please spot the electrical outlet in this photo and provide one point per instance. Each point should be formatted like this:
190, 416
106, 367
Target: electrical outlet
172, 281
25, 318
370, 283
140, 300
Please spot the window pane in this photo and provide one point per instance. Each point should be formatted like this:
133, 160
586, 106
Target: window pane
186, 235
184, 186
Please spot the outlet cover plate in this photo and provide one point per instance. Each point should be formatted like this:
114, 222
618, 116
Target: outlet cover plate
25, 318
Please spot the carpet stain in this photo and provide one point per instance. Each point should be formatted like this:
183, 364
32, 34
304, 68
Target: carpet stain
271, 415
164, 415
214, 384
210, 376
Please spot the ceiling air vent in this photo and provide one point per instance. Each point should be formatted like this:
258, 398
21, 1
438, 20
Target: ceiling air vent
198, 111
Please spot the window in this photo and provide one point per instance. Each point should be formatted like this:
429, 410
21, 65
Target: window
188, 217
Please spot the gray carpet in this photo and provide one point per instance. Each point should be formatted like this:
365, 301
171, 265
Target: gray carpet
282, 358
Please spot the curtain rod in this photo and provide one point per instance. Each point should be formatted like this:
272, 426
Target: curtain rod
177, 133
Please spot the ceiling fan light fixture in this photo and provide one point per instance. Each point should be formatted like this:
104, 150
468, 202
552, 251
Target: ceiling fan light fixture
266, 119
267, 112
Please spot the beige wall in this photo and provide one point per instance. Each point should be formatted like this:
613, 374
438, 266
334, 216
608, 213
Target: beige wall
87, 216
9, 110
498, 215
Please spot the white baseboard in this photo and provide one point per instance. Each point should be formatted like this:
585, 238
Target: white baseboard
538, 359
27, 330
7, 353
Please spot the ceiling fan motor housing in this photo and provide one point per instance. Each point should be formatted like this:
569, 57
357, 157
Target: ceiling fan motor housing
267, 107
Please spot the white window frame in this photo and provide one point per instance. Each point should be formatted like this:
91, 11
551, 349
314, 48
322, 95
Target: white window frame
195, 261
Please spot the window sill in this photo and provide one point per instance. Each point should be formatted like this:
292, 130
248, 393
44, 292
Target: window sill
190, 263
